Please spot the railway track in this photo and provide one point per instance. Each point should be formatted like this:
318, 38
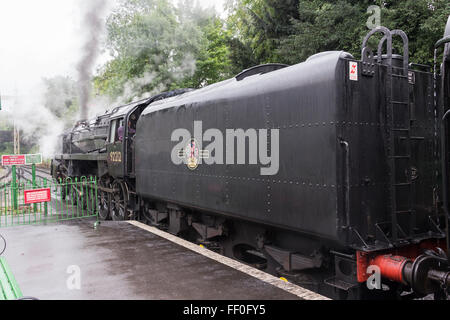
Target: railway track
25, 172
9, 171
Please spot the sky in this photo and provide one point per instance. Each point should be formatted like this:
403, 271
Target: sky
43, 39
37, 39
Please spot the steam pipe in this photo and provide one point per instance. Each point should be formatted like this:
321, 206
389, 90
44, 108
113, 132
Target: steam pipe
347, 182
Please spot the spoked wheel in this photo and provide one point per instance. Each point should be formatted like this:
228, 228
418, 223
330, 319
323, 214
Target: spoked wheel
74, 195
62, 187
90, 202
75, 198
103, 205
119, 202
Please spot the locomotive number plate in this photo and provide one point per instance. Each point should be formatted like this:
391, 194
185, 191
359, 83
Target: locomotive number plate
115, 156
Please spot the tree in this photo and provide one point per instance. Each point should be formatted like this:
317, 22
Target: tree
262, 25
157, 46
154, 47
423, 21
213, 63
323, 26
342, 24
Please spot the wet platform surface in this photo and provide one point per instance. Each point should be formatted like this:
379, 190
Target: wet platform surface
121, 261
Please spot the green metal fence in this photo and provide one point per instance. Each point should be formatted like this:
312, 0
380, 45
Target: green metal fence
9, 289
71, 199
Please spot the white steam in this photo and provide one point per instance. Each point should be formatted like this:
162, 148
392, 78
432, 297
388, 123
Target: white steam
37, 123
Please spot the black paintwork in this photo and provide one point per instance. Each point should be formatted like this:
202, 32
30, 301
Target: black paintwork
360, 160
315, 106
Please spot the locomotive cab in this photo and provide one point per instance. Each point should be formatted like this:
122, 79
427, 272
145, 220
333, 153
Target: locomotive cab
115, 146
120, 146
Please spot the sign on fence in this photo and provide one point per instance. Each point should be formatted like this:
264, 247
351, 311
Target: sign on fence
33, 159
37, 196
30, 202
21, 159
13, 160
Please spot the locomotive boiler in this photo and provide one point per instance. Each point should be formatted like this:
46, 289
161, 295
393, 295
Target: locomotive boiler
332, 173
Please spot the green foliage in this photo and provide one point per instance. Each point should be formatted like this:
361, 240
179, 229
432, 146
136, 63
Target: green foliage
342, 25
156, 46
324, 26
422, 20
213, 63
6, 148
262, 24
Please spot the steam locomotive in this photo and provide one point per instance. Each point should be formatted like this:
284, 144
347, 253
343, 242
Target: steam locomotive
334, 171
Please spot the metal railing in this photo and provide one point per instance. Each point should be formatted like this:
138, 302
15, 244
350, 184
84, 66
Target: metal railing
70, 199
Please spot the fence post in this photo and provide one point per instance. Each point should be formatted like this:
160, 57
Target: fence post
14, 189
45, 204
77, 198
5, 190
33, 173
95, 207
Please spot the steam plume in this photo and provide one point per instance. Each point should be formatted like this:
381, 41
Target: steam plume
93, 28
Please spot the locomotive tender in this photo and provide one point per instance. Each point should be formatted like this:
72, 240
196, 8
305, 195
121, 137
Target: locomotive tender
361, 183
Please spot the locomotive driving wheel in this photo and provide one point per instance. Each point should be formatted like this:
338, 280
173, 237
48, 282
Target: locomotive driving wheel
73, 195
76, 200
103, 204
89, 201
62, 186
119, 202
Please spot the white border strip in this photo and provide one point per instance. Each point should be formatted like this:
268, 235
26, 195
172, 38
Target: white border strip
263, 276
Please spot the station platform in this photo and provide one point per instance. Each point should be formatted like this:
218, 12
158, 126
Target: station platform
130, 261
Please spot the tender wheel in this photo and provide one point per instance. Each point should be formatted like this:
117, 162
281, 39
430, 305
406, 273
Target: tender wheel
119, 202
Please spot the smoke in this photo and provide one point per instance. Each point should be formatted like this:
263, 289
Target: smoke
132, 91
93, 26
44, 104
36, 122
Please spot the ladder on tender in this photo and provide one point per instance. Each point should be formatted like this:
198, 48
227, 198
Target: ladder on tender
399, 144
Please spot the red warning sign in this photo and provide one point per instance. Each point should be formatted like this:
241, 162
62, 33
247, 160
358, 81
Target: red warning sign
353, 71
14, 160
37, 196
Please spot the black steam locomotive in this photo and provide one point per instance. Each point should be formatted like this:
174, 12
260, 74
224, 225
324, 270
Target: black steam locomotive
322, 172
